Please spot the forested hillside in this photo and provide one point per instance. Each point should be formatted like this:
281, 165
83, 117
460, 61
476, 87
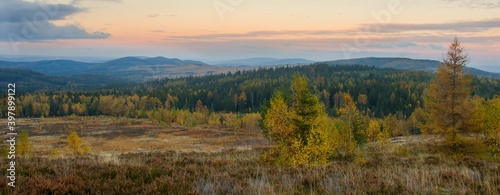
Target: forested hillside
29, 81
407, 64
131, 68
377, 92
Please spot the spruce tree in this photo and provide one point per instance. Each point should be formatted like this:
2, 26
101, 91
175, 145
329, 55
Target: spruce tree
306, 108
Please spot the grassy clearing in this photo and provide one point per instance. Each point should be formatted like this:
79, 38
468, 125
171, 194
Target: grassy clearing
133, 156
120, 135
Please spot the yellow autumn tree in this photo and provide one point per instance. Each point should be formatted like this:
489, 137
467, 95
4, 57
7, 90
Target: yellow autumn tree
488, 115
24, 147
353, 120
276, 125
183, 117
250, 121
200, 113
277, 121
231, 120
494, 127
373, 130
214, 119
493, 116
390, 124
74, 143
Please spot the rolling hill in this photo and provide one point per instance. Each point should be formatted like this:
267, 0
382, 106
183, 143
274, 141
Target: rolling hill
28, 81
51, 67
406, 64
262, 62
132, 68
140, 69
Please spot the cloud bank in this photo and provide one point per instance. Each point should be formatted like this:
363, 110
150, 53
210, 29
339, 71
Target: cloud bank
31, 21
478, 4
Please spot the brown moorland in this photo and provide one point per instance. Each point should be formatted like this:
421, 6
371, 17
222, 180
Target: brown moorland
136, 156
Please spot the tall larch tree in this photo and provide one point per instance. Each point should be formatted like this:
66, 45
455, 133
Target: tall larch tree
448, 101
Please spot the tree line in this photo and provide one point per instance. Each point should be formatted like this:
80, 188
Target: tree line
376, 92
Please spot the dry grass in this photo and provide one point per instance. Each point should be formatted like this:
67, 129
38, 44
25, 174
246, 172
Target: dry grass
132, 156
121, 135
242, 172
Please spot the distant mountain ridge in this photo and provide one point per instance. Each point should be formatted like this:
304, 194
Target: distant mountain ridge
263, 62
135, 61
50, 67
140, 69
133, 68
406, 64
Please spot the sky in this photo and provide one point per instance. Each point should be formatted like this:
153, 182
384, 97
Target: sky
212, 30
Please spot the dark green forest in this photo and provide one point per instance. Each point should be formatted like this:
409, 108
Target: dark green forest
29, 81
377, 92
